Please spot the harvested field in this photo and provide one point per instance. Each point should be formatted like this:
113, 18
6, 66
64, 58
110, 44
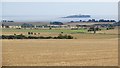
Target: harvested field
59, 33
0, 53
76, 52
100, 49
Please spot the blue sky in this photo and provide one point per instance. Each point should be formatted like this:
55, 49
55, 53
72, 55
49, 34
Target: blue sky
49, 11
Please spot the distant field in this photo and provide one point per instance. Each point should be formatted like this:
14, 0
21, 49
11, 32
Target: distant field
44, 30
81, 34
88, 23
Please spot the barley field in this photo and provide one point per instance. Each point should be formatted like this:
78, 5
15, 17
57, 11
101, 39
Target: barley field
0, 53
84, 52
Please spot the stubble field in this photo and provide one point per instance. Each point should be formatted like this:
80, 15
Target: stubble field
87, 50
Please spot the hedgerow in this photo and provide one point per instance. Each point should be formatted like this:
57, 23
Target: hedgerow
60, 36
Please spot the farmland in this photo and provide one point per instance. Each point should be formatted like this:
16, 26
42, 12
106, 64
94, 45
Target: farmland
44, 30
59, 34
79, 34
100, 49
85, 52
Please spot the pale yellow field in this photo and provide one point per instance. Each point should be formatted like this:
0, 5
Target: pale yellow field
86, 50
0, 53
81, 52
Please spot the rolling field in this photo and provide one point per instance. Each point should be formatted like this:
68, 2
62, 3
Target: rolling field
68, 31
79, 34
99, 49
0, 49
86, 52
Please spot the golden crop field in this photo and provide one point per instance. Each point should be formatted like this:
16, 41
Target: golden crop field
87, 50
0, 53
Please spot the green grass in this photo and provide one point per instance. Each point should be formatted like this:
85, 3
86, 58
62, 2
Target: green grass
45, 30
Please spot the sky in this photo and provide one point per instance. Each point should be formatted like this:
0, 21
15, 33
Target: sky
50, 11
119, 11
59, 0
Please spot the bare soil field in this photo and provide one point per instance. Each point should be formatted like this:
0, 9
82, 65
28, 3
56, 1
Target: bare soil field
76, 52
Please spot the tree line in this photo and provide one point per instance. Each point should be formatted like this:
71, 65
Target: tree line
94, 20
60, 36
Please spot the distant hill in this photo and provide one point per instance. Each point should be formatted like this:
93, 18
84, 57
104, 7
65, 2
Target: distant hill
20, 23
88, 23
77, 16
